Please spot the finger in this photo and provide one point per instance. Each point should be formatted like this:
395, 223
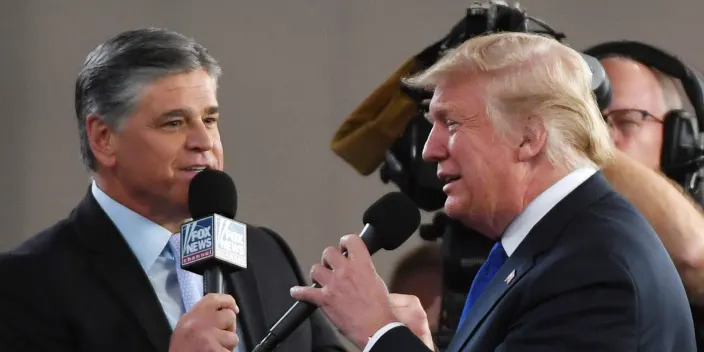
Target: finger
308, 294
226, 339
355, 247
333, 258
342, 249
219, 301
225, 319
320, 274
324, 261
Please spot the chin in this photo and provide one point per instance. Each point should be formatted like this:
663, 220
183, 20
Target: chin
453, 208
180, 197
460, 211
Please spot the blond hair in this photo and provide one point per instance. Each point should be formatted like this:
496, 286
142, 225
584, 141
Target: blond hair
532, 76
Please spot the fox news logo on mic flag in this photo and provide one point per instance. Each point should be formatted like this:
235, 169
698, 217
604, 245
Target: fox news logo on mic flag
231, 241
214, 237
197, 240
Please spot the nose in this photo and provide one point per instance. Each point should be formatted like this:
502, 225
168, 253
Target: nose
200, 138
435, 149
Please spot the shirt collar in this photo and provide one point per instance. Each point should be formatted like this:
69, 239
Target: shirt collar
519, 228
146, 238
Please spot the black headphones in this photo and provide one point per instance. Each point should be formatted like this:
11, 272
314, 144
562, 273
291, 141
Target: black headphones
682, 153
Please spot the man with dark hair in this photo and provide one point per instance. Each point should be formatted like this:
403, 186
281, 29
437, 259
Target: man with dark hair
107, 278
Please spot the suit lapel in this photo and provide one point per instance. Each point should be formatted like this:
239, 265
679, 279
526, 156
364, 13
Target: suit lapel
539, 239
243, 286
116, 266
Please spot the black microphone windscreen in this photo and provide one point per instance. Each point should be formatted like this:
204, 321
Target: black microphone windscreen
394, 217
212, 192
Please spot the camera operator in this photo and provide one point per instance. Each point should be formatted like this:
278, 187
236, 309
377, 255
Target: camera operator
642, 99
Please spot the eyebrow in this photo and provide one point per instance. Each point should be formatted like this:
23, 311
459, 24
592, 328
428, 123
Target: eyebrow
211, 110
175, 113
440, 110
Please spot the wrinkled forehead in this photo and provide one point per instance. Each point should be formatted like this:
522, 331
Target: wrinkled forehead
461, 93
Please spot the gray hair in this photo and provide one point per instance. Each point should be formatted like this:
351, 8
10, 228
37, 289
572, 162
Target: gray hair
115, 73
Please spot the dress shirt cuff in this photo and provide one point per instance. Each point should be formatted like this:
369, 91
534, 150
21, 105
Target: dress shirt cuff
379, 334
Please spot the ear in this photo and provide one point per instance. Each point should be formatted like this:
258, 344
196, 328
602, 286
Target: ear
101, 139
534, 137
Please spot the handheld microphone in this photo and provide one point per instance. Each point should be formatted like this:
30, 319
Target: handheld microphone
387, 224
213, 243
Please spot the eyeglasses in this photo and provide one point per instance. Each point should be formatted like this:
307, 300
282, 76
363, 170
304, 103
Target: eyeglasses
629, 121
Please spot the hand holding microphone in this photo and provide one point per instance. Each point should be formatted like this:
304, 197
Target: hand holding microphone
352, 295
349, 291
209, 326
212, 244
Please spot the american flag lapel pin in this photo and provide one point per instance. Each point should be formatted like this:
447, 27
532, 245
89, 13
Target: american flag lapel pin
510, 276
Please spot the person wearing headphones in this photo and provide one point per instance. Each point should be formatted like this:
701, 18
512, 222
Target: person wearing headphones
645, 104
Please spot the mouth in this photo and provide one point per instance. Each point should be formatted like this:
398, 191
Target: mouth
195, 169
445, 179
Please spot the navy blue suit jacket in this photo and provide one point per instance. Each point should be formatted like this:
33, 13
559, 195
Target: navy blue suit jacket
592, 275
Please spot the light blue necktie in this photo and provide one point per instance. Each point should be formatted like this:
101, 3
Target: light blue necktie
191, 284
497, 257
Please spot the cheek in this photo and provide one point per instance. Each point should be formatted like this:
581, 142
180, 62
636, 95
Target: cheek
157, 150
136, 149
644, 143
653, 135
493, 167
218, 152
466, 154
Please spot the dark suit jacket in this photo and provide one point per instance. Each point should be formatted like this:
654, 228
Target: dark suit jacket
590, 276
77, 286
